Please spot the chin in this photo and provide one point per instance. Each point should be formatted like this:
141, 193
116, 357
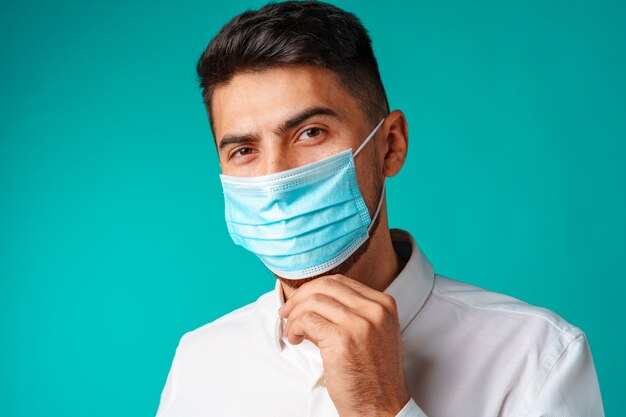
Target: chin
296, 283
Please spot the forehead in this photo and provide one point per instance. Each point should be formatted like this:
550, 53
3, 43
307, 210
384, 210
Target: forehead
252, 100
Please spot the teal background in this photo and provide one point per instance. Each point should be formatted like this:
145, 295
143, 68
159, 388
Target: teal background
112, 239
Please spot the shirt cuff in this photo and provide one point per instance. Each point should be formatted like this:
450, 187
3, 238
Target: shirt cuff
411, 409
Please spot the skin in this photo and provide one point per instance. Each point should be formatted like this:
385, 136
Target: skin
347, 315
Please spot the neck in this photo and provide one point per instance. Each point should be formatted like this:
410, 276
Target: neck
379, 265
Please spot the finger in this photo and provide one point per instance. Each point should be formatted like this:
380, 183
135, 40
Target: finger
330, 286
381, 297
329, 308
311, 326
353, 294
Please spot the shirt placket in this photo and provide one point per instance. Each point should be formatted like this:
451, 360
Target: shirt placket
307, 357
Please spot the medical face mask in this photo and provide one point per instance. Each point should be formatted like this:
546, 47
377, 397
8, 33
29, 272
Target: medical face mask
303, 221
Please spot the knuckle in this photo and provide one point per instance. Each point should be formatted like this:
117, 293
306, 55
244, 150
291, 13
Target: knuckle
379, 313
343, 336
391, 303
364, 326
317, 297
328, 279
309, 317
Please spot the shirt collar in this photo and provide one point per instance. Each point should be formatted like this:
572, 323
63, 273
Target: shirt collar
410, 288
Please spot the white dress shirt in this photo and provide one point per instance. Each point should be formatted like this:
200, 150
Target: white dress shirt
467, 352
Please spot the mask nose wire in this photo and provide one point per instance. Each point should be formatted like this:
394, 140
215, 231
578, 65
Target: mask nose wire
370, 136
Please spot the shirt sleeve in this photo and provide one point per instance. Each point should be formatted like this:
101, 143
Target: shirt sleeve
571, 388
411, 409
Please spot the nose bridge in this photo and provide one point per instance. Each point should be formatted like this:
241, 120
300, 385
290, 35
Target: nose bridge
275, 157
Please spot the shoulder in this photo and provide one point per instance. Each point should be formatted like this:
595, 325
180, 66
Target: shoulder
493, 336
482, 308
231, 329
218, 355
522, 354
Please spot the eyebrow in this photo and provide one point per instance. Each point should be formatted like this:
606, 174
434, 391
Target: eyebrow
280, 130
304, 115
235, 139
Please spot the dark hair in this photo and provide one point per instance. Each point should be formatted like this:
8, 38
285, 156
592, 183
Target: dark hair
296, 33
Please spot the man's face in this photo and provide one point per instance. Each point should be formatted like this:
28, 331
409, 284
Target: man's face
281, 118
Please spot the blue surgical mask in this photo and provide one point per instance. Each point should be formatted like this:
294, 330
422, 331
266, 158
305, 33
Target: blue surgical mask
303, 221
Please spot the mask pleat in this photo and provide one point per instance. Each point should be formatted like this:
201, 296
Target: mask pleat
252, 219
297, 226
314, 254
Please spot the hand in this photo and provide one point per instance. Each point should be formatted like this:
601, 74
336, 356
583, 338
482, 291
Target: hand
357, 331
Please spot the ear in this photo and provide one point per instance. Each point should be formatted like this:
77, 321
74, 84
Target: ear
396, 142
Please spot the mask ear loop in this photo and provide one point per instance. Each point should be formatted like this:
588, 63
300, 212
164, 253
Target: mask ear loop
367, 139
382, 194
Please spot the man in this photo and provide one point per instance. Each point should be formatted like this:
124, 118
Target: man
365, 328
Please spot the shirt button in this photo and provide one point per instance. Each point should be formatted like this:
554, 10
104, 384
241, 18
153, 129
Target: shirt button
323, 383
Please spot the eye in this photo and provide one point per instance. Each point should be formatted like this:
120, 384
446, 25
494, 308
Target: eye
241, 152
312, 133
